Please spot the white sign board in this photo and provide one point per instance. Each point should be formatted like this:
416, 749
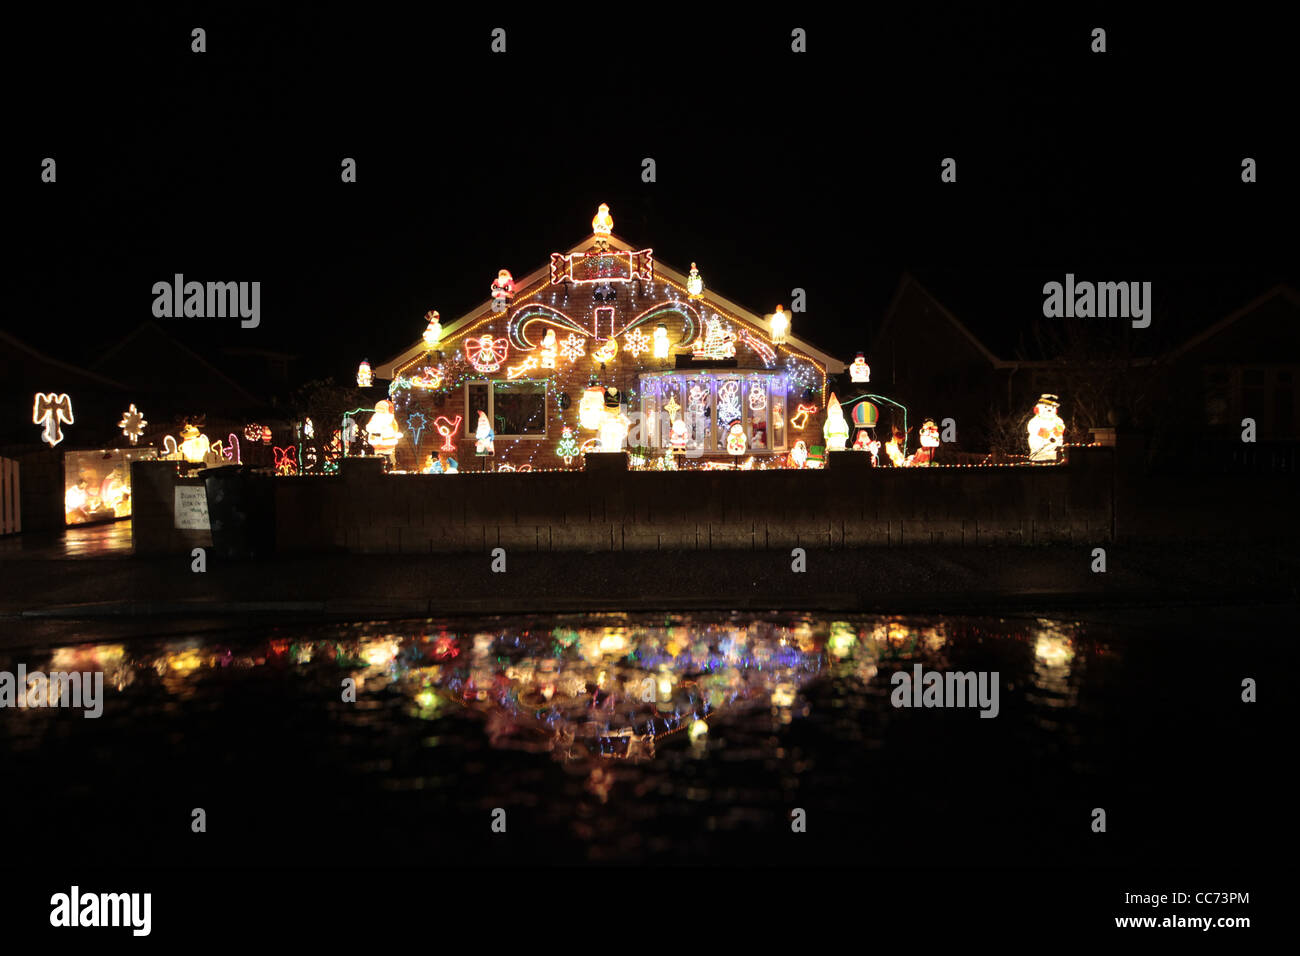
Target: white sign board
191, 508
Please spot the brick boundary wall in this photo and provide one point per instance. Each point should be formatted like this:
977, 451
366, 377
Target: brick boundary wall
607, 508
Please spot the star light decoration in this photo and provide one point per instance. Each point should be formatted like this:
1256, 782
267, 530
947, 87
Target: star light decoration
574, 347
132, 424
672, 408
636, 342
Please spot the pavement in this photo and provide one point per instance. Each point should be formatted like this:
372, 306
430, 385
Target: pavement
85, 583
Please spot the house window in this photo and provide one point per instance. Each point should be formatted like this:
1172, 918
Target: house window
710, 403
515, 409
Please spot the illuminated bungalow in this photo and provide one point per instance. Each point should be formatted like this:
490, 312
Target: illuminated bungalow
607, 322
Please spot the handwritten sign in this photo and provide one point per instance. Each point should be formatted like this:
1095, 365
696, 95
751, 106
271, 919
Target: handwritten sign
191, 508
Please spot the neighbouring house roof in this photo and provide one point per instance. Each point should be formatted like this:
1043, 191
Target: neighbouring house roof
388, 369
28, 369
157, 361
1281, 290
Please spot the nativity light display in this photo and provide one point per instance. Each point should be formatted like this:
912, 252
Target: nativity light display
1046, 429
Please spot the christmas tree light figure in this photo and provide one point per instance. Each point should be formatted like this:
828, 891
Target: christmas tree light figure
568, 446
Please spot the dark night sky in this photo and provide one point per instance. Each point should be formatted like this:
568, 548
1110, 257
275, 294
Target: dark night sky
774, 171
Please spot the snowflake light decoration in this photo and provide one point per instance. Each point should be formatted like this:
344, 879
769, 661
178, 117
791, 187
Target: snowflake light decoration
636, 342
574, 347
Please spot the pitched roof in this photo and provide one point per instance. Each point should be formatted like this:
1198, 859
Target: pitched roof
1281, 289
908, 281
388, 369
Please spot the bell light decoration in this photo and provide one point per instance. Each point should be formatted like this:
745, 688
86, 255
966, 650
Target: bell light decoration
661, 341
780, 325
860, 371
591, 410
836, 429
1046, 429
364, 377
433, 334
695, 284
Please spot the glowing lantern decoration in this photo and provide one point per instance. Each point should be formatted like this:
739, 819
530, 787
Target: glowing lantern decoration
194, 446
433, 334
836, 429
381, 430
602, 224
736, 443
364, 377
503, 287
661, 341
549, 348
132, 424
860, 371
484, 436
865, 415
695, 284
1046, 429
798, 454
51, 411
591, 410
780, 325
568, 446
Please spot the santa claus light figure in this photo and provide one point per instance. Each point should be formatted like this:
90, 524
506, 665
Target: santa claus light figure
679, 436
924, 455
381, 430
503, 287
799, 454
1046, 429
864, 442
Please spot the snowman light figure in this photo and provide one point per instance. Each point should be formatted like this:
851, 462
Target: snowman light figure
549, 348
736, 443
1046, 429
860, 371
